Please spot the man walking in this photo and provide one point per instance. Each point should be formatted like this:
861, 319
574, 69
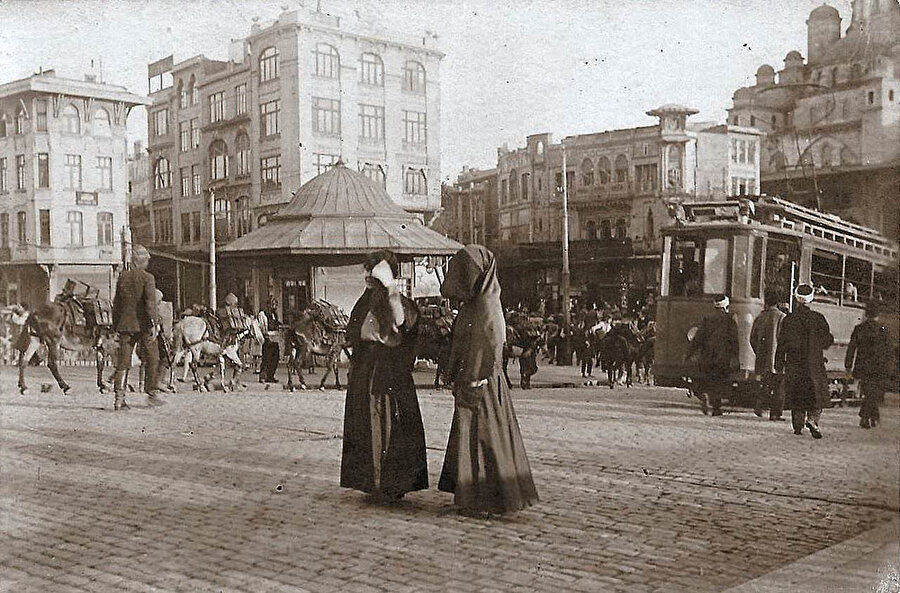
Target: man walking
715, 347
803, 338
135, 318
869, 359
763, 340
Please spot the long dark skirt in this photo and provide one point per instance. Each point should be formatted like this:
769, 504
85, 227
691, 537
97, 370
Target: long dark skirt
485, 465
384, 440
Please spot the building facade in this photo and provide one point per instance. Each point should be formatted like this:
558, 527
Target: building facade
63, 184
467, 209
294, 98
618, 185
832, 122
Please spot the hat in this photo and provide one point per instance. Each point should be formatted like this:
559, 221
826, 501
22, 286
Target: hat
139, 252
804, 293
230, 299
721, 301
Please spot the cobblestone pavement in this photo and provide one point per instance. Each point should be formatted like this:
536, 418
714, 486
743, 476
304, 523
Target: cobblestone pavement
238, 492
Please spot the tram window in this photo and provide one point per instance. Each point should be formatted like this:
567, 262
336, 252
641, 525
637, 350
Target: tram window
857, 280
740, 269
715, 266
779, 255
756, 271
885, 289
826, 274
684, 271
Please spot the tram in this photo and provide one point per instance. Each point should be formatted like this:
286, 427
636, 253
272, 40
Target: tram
745, 246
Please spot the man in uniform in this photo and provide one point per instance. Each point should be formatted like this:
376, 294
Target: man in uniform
715, 347
135, 319
803, 338
869, 359
763, 340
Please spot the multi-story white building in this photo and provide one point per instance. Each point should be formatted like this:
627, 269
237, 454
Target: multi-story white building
63, 184
293, 98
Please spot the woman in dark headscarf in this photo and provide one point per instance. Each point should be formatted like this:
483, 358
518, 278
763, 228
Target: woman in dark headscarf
384, 440
485, 465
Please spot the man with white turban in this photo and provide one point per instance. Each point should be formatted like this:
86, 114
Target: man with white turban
715, 348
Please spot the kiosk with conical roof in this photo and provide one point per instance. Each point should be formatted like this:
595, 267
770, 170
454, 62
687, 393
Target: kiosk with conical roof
313, 248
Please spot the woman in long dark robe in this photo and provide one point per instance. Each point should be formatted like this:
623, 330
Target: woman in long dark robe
485, 465
384, 440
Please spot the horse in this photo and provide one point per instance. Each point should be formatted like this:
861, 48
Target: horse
617, 353
320, 330
523, 340
644, 355
193, 338
434, 338
54, 325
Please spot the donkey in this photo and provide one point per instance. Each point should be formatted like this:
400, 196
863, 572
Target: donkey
192, 338
320, 330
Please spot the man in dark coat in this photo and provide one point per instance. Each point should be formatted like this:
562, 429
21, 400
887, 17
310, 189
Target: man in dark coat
803, 338
869, 359
716, 349
764, 340
135, 318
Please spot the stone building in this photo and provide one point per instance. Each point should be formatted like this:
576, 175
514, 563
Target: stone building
618, 184
467, 210
832, 122
63, 184
293, 98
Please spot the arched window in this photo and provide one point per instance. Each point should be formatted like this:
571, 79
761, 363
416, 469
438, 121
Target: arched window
328, 61
603, 170
415, 182
218, 160
621, 169
605, 232
223, 219
371, 69
20, 120
71, 120
848, 157
242, 219
540, 148
162, 174
183, 95
194, 90
590, 229
268, 64
101, 123
825, 156
621, 228
513, 186
414, 77
649, 227
587, 172
242, 142
774, 121
3, 131
376, 174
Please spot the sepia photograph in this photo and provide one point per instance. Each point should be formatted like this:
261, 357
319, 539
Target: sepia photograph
451, 296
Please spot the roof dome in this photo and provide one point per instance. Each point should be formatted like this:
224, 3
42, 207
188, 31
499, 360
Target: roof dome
824, 12
341, 192
764, 70
793, 58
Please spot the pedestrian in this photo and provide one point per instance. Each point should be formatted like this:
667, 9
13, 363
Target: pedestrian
135, 319
764, 341
715, 347
485, 465
802, 339
869, 358
384, 439
270, 353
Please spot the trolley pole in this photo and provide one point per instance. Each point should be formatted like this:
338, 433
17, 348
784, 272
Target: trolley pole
567, 316
212, 249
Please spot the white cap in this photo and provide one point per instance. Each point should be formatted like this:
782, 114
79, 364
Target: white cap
804, 293
721, 301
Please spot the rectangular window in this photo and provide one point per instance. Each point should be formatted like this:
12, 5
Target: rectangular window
2, 126
45, 228
195, 133
43, 170
184, 134
195, 95
4, 230
185, 227
217, 107
240, 99
243, 158
414, 127
73, 171
161, 122
870, 97
105, 228
414, 182
734, 151
3, 175
22, 227
242, 216
40, 112
324, 161
20, 171
326, 116
371, 122
742, 151
75, 219
196, 182
184, 100
268, 64
270, 168
751, 152
104, 172
185, 182
162, 225
195, 227
268, 118
524, 185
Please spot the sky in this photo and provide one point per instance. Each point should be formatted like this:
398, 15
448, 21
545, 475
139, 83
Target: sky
512, 68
